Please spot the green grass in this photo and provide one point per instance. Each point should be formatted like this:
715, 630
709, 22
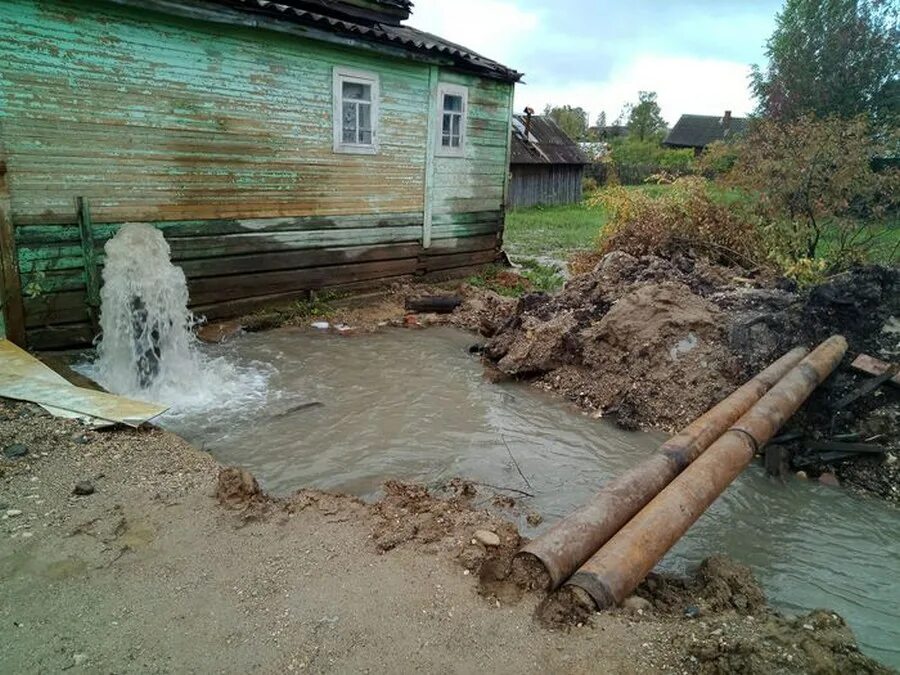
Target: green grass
553, 231
536, 275
884, 246
557, 231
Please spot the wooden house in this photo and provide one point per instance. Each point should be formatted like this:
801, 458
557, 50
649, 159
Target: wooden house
280, 146
546, 166
698, 131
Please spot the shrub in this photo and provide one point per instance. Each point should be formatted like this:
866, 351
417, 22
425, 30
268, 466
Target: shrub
637, 161
589, 185
684, 217
814, 187
718, 159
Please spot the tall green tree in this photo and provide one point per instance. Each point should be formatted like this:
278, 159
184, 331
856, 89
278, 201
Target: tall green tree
832, 57
645, 122
574, 121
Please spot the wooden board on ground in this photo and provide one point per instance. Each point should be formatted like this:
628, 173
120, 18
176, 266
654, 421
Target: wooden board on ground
16, 361
872, 366
24, 378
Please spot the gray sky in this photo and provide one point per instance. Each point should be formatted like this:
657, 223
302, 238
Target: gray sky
694, 53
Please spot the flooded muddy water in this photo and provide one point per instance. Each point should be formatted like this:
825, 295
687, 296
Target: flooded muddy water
413, 405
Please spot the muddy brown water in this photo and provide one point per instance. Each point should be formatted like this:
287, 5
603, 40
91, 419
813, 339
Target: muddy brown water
413, 405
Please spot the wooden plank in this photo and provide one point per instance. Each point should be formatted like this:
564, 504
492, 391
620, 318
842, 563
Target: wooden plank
91, 270
506, 178
872, 366
460, 260
10, 284
55, 308
211, 289
838, 446
47, 338
60, 234
430, 144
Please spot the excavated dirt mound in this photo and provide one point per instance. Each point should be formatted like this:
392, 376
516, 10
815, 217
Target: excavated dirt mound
655, 342
732, 628
719, 585
630, 338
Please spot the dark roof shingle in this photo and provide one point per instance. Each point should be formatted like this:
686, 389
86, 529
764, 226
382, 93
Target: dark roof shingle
698, 131
544, 143
403, 37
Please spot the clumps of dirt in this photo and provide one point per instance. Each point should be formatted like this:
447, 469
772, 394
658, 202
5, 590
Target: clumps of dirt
632, 337
656, 342
409, 513
567, 607
237, 488
819, 642
484, 312
719, 584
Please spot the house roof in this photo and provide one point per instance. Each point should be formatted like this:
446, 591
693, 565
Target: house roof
543, 143
698, 131
332, 23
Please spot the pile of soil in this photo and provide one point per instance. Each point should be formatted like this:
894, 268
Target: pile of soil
656, 342
731, 628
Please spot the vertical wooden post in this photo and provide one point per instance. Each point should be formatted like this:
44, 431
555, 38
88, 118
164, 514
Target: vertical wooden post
430, 144
504, 206
13, 321
89, 255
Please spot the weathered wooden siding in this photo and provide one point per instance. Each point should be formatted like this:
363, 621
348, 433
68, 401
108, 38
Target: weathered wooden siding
222, 137
533, 184
476, 182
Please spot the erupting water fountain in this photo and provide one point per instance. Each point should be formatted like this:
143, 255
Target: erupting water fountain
147, 348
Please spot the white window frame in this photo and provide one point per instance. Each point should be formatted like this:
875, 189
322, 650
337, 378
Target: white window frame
452, 90
365, 77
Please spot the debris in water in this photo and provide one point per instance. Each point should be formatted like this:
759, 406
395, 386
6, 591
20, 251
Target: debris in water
320, 325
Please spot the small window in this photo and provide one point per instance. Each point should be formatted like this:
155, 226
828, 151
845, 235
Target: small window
452, 110
355, 111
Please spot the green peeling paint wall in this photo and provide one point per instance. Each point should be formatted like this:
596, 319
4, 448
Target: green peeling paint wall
222, 137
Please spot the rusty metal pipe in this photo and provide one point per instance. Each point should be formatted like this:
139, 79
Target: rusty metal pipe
623, 562
566, 546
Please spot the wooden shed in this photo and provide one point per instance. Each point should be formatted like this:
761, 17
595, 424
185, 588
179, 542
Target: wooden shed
281, 147
546, 166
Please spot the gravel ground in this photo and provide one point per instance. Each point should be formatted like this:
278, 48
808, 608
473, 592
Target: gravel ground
118, 555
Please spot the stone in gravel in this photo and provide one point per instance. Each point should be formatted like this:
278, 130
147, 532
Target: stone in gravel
81, 439
829, 479
636, 604
12, 513
487, 537
15, 451
83, 488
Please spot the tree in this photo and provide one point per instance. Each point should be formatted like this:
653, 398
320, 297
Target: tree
573, 121
645, 120
832, 57
813, 179
601, 120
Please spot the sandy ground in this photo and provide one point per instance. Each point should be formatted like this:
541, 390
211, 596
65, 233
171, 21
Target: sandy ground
149, 572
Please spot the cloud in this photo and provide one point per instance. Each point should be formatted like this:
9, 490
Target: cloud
683, 85
497, 29
599, 54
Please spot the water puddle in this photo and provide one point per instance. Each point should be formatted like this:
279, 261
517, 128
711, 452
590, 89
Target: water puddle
413, 405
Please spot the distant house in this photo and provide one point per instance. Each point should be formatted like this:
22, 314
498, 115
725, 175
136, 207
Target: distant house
546, 166
281, 147
698, 131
